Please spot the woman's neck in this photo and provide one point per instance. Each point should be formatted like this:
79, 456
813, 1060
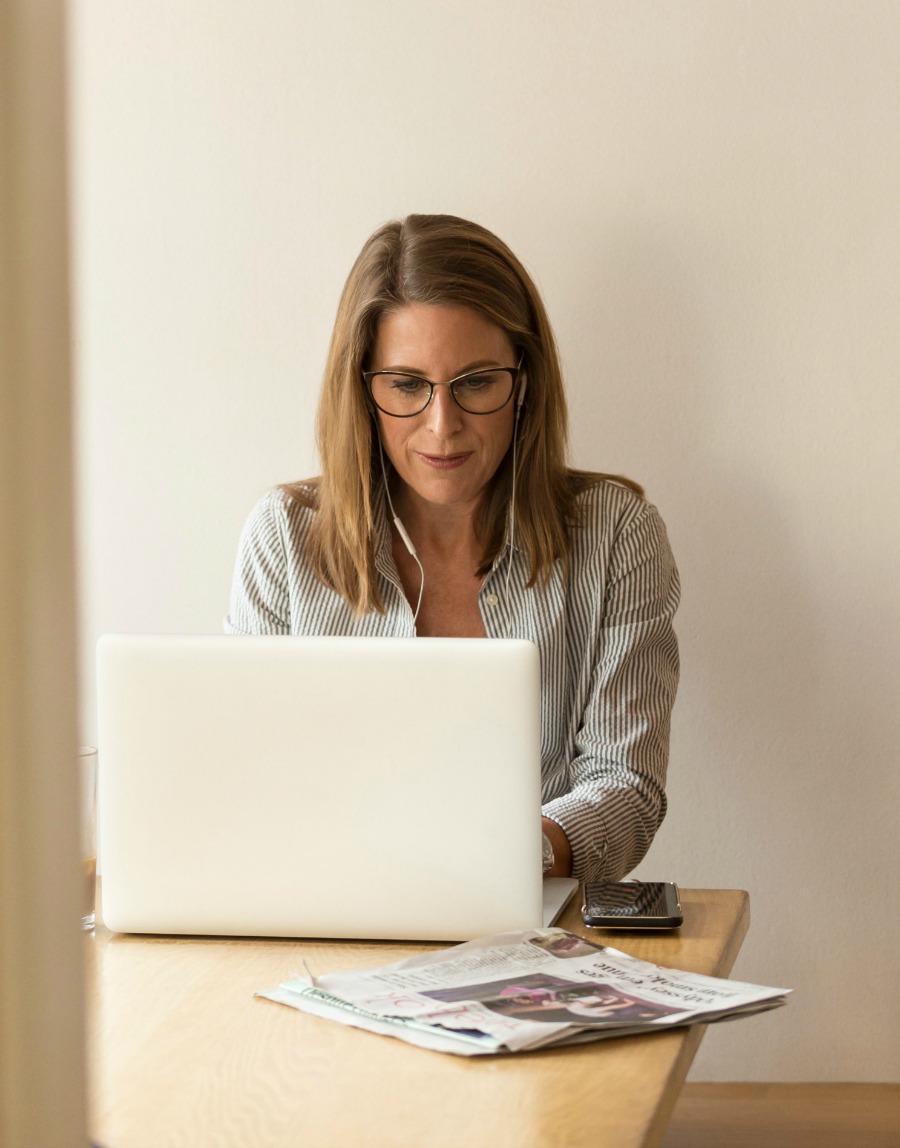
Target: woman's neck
443, 531
445, 569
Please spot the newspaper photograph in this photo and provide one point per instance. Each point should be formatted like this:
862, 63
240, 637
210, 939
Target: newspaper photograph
517, 992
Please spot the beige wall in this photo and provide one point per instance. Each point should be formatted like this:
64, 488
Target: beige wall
41, 1026
708, 193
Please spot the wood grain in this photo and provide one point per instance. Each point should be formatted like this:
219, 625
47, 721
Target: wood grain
786, 1116
183, 1054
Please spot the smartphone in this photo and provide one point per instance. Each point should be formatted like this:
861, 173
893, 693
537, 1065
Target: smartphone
632, 905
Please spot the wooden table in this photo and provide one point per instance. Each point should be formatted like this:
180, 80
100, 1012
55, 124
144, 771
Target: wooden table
183, 1055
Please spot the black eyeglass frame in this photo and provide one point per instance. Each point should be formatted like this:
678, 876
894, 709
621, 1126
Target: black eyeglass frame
514, 372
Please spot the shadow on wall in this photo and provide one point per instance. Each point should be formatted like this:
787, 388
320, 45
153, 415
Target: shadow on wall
772, 741
782, 776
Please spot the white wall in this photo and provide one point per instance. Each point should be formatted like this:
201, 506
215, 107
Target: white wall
708, 193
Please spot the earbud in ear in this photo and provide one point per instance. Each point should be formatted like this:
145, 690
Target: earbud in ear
522, 389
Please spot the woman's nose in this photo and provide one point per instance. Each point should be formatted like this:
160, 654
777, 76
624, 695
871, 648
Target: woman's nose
443, 415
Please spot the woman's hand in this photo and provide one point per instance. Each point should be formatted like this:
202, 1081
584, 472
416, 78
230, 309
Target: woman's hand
562, 850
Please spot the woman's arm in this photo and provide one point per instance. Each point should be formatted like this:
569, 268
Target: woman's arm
259, 591
616, 797
562, 850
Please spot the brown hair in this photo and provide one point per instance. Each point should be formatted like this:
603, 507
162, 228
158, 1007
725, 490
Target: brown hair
440, 260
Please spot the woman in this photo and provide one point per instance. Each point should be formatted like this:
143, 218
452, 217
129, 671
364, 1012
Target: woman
445, 508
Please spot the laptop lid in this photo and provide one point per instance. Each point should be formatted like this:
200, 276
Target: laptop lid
319, 787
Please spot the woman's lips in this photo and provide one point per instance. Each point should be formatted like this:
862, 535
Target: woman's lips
444, 461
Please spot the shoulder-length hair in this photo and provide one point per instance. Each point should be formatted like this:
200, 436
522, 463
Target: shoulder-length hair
439, 260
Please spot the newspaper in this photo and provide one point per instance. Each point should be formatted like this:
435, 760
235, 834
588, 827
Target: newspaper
516, 992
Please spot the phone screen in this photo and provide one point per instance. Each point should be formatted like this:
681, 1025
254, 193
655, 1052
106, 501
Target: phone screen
632, 904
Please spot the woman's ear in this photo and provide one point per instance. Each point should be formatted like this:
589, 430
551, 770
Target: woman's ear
523, 382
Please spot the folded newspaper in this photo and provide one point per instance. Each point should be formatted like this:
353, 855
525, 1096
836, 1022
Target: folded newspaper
515, 992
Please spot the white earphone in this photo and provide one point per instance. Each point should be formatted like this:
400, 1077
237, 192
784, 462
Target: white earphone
512, 503
401, 529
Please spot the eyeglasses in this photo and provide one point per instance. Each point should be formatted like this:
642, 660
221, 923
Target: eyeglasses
478, 393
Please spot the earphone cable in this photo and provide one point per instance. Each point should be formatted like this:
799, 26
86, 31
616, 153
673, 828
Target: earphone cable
401, 530
511, 527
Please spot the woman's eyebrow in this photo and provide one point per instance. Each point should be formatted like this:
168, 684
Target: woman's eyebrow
477, 365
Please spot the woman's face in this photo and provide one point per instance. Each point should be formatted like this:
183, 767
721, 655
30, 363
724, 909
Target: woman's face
444, 456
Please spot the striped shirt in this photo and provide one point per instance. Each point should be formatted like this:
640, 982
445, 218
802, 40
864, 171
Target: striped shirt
608, 653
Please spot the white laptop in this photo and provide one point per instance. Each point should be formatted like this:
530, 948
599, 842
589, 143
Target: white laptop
375, 788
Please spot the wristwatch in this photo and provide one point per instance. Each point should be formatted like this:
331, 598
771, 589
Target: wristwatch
549, 857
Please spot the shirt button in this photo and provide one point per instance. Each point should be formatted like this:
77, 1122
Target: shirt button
492, 599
